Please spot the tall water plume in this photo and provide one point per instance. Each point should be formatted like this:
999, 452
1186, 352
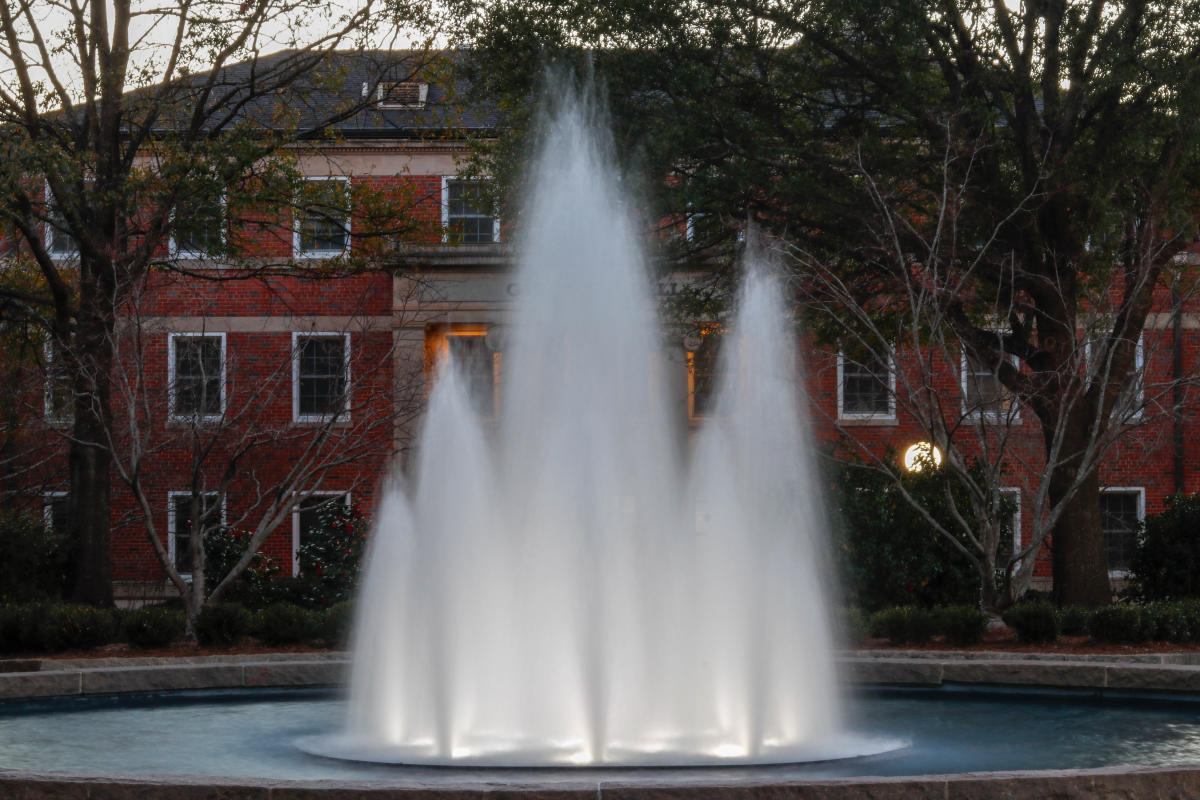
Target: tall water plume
564, 590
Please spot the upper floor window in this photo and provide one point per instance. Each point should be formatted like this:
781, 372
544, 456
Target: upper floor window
322, 222
59, 241
1121, 512
58, 398
468, 216
320, 376
196, 383
1129, 403
198, 227
402, 94
185, 511
983, 395
56, 509
866, 386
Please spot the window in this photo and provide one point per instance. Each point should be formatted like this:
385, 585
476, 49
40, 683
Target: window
1128, 406
58, 400
320, 376
866, 387
703, 352
322, 227
306, 517
196, 383
56, 508
198, 227
984, 396
477, 364
475, 348
59, 241
181, 522
404, 94
467, 214
1010, 525
1121, 511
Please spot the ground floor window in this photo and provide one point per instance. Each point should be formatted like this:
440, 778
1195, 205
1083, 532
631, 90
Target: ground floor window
1121, 511
183, 511
306, 518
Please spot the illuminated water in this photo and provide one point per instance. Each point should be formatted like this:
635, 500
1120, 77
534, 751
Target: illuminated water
566, 588
253, 736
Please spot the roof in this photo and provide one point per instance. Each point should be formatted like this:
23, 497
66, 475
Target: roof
342, 85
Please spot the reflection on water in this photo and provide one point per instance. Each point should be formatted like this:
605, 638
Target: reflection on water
253, 738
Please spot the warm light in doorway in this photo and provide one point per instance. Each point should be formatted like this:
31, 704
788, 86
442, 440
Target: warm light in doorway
920, 455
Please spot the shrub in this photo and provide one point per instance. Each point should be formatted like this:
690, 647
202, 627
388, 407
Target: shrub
887, 553
853, 625
904, 624
962, 625
1166, 559
285, 623
1073, 620
55, 627
15, 628
1121, 623
33, 559
1034, 622
335, 624
153, 626
223, 624
330, 558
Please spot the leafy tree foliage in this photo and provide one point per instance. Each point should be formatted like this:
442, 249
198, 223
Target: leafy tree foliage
1033, 162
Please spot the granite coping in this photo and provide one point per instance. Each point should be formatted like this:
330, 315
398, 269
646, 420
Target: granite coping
1108, 783
106, 676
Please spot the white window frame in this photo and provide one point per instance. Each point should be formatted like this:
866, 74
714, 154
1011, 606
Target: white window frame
171, 523
48, 231
175, 251
889, 417
300, 497
56, 420
171, 411
48, 507
341, 417
446, 181
319, 254
1139, 369
1014, 492
383, 93
1140, 491
1013, 415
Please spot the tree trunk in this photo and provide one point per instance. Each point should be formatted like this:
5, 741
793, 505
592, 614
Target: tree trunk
1077, 544
90, 462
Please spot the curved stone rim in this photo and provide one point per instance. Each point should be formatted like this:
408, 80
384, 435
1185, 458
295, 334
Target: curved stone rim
1113, 675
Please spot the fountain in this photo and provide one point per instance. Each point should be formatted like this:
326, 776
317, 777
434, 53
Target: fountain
568, 590
565, 592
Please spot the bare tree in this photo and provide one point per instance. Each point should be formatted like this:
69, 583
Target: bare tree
114, 114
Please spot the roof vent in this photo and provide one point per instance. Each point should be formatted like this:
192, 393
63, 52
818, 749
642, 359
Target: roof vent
404, 94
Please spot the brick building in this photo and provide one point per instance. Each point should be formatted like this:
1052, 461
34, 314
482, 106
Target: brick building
329, 368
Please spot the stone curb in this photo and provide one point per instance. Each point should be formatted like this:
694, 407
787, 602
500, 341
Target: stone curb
1108, 783
170, 677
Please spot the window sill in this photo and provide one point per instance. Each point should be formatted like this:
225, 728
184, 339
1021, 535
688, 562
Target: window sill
188, 420
315, 421
991, 419
318, 255
869, 421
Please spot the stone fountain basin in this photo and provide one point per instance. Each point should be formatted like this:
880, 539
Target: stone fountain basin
1172, 679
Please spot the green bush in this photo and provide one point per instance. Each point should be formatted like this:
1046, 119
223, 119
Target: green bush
887, 553
853, 625
330, 558
1120, 623
962, 625
153, 626
16, 627
55, 627
904, 624
1034, 622
1073, 620
1166, 560
285, 623
335, 625
223, 624
33, 559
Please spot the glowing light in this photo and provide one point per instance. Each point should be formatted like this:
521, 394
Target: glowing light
921, 455
729, 751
